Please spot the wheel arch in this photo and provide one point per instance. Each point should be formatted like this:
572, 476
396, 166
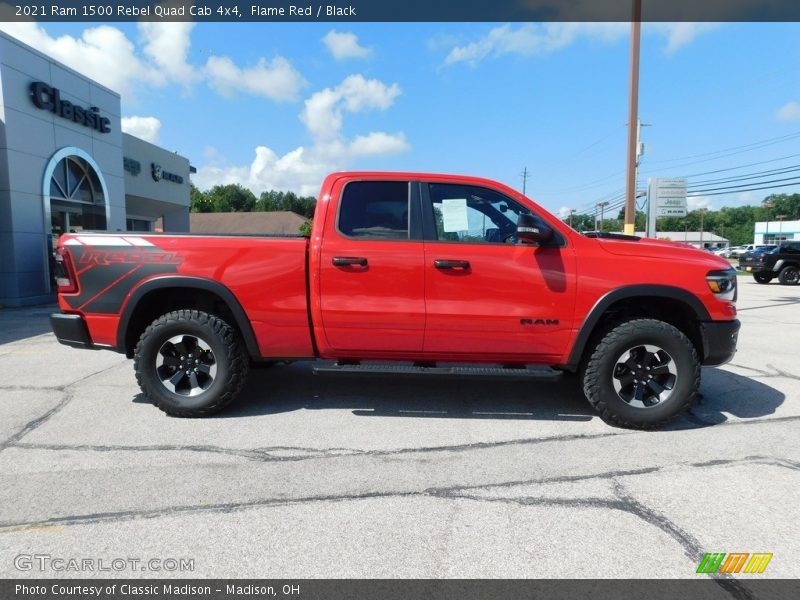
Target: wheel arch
161, 295
670, 304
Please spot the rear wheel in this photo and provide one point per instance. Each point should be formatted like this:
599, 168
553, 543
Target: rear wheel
761, 278
641, 374
190, 363
789, 275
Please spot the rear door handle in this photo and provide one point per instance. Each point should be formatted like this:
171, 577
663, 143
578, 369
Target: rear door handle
346, 261
441, 263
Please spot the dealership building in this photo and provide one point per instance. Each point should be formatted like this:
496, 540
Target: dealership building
66, 166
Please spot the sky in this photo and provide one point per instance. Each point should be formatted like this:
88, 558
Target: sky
278, 106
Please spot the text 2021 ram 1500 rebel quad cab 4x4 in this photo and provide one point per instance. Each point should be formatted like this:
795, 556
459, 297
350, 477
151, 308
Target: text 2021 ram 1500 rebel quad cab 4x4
406, 273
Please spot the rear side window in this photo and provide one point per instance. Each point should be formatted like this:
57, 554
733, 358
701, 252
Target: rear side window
792, 248
375, 210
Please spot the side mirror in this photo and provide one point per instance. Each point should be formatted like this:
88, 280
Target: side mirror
532, 232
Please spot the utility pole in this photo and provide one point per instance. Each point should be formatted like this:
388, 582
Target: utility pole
702, 212
524, 176
572, 211
768, 206
779, 219
602, 206
633, 118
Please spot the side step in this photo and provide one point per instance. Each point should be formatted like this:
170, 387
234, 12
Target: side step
535, 372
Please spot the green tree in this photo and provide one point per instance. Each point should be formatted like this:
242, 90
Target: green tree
199, 201
273, 201
231, 198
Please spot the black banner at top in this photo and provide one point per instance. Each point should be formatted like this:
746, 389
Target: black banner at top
397, 10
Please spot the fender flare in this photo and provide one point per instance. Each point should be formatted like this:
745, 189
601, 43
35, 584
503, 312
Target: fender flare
187, 282
632, 291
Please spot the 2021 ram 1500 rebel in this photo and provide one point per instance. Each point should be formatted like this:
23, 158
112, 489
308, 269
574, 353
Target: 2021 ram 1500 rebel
406, 273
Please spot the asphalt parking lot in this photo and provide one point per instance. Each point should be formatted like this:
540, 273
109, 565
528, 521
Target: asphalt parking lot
349, 477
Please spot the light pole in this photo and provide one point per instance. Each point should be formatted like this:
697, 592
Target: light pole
779, 219
633, 119
766, 205
702, 212
602, 206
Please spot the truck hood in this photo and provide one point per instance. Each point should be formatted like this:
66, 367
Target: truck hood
648, 247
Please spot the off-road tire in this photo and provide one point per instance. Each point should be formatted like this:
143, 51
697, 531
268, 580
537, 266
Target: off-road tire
789, 275
761, 278
231, 362
597, 373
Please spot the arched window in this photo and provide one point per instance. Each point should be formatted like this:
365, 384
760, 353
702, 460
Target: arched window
74, 180
74, 193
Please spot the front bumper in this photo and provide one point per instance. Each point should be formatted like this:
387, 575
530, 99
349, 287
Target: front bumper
70, 330
719, 341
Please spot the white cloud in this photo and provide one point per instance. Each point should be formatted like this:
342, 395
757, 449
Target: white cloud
106, 55
167, 46
146, 128
695, 202
344, 45
538, 39
302, 169
679, 34
276, 79
789, 112
378, 143
563, 212
103, 53
322, 114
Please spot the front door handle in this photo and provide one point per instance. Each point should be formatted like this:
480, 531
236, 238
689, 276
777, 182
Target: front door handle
441, 263
346, 261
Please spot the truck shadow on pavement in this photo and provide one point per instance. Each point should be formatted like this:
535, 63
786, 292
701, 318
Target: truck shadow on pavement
287, 388
26, 322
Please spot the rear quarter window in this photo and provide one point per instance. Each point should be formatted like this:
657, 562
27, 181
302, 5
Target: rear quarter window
377, 210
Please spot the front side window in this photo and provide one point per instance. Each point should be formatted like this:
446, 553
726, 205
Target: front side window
472, 214
375, 210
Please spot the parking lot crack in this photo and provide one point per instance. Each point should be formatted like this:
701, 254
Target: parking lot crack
256, 454
692, 547
44, 418
37, 422
227, 507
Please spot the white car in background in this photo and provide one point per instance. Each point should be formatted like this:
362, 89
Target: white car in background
737, 251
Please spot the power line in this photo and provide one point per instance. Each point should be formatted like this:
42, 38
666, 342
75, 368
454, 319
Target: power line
733, 187
741, 148
768, 187
761, 162
757, 175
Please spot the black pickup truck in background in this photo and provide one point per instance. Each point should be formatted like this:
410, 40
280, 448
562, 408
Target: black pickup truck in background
782, 261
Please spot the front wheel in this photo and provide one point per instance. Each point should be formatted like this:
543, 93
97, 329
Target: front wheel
760, 278
641, 374
789, 275
190, 363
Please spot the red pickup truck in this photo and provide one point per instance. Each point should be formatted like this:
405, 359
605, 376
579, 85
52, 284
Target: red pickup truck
406, 273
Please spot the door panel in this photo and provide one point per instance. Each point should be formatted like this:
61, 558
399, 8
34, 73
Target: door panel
486, 293
505, 303
371, 283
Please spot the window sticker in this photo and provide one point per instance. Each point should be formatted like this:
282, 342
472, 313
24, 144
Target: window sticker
454, 214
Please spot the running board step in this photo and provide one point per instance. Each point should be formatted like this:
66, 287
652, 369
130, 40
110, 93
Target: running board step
527, 373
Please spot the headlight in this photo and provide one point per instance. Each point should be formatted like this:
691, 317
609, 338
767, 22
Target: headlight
723, 283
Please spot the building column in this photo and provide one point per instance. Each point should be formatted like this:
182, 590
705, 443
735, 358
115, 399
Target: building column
177, 221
